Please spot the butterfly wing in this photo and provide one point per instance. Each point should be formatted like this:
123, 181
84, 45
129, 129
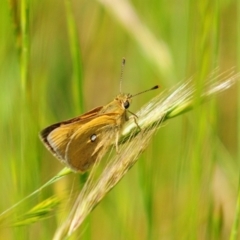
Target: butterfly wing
57, 136
88, 144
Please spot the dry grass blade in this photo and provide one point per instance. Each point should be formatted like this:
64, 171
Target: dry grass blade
134, 142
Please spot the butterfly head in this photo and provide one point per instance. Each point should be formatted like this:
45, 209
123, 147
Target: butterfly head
124, 100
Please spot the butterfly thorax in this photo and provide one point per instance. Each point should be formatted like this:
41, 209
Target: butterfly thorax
118, 105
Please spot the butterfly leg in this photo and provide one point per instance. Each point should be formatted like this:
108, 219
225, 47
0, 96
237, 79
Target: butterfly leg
135, 119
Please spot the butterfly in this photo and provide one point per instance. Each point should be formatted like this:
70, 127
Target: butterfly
80, 141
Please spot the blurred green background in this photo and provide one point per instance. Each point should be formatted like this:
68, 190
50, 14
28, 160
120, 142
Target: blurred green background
61, 58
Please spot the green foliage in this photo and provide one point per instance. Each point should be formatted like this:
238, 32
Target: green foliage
59, 59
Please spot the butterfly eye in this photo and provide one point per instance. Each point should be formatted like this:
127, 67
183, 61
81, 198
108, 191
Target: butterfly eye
126, 104
93, 138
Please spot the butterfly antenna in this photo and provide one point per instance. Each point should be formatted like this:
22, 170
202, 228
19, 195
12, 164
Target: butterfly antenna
121, 77
155, 87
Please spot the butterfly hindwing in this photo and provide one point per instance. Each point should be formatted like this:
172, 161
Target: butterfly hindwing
87, 143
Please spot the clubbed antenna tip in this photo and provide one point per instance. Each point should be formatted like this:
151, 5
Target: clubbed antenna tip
155, 87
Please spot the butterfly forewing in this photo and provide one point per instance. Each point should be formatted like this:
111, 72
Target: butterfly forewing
60, 137
56, 137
